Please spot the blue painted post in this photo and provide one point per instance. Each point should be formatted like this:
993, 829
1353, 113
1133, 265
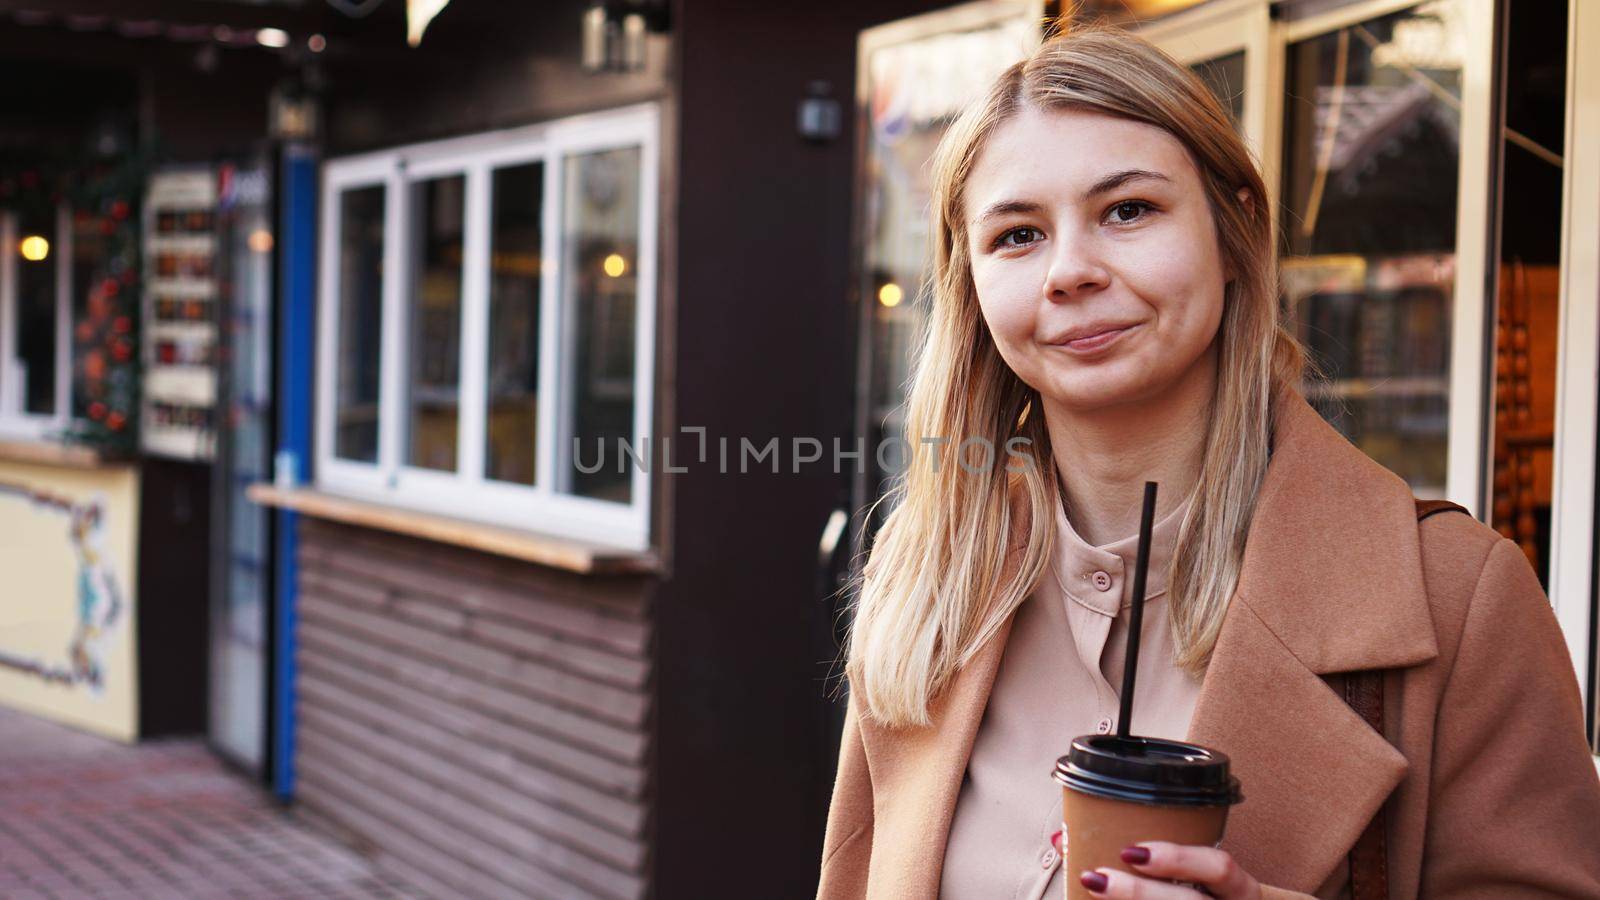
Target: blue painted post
296, 318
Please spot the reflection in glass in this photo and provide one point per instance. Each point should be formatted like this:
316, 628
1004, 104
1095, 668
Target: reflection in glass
433, 299
1371, 153
913, 94
239, 606
91, 252
1527, 321
35, 364
600, 237
1225, 76
360, 323
514, 244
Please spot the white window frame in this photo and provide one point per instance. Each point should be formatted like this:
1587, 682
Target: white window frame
466, 493
15, 422
1573, 539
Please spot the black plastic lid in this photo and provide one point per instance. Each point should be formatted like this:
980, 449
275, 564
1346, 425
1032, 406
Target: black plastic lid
1148, 770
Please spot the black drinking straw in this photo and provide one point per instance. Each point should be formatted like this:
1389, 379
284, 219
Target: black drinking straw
1141, 565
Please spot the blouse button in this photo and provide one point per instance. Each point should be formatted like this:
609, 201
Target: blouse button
1104, 727
1102, 581
1048, 859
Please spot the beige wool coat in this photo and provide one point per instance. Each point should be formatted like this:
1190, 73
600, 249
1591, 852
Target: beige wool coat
1484, 778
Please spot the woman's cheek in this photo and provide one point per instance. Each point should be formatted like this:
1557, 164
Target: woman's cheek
1008, 309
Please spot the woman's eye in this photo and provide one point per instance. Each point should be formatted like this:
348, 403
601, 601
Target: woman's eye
1017, 237
1129, 211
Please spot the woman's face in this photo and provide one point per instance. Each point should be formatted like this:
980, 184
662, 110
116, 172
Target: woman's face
1095, 258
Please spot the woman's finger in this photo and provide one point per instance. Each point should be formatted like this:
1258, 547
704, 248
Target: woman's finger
1122, 886
1208, 866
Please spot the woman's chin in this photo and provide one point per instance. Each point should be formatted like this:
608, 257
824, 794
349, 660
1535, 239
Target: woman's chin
1099, 393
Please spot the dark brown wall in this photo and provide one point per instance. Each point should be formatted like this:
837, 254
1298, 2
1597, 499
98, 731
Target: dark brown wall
173, 584
763, 326
482, 65
195, 101
478, 723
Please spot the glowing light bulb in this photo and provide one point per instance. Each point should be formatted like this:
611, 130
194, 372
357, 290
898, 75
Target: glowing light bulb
272, 37
34, 248
260, 240
615, 265
890, 294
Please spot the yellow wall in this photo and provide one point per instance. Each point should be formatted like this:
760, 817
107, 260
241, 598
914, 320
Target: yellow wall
66, 595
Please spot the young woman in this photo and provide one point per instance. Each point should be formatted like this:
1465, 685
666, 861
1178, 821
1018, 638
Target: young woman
1105, 288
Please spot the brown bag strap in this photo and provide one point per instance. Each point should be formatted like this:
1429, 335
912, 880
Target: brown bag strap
1363, 691
1369, 858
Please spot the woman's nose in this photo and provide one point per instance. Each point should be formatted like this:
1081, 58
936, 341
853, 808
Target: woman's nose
1073, 273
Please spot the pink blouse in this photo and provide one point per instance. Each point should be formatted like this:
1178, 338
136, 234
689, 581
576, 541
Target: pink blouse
1060, 678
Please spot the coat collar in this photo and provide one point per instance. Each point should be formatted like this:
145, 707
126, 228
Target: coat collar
1331, 582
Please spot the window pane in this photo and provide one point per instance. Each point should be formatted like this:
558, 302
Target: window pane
434, 301
1371, 152
1225, 76
600, 240
37, 260
360, 322
1528, 311
513, 383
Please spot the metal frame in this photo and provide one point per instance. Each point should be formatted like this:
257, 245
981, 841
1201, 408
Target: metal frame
1573, 550
466, 493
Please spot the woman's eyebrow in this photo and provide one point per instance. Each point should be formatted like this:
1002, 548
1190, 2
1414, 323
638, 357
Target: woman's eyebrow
1117, 179
1006, 208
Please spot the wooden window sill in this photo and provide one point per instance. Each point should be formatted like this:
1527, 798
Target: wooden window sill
56, 453
558, 553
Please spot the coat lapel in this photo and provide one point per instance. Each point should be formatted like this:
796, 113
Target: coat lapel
916, 775
1331, 582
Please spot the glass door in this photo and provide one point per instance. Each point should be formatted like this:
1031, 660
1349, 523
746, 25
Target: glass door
910, 88
1386, 187
242, 541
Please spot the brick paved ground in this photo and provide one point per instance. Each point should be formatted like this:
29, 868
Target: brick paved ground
82, 817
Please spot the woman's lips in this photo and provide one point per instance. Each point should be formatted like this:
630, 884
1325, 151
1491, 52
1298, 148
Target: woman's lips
1092, 343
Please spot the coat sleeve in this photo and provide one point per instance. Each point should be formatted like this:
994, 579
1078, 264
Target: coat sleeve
1515, 806
847, 847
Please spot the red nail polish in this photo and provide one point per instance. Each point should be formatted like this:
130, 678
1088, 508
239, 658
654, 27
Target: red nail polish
1094, 881
1055, 839
1136, 856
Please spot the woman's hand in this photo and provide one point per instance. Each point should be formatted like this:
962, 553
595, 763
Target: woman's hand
1212, 872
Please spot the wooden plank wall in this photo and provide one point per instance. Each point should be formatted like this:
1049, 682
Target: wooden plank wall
480, 725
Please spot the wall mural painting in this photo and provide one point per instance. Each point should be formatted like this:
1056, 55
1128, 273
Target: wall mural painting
100, 609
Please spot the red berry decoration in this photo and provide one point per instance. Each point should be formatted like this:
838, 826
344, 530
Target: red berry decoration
119, 209
115, 421
121, 324
97, 410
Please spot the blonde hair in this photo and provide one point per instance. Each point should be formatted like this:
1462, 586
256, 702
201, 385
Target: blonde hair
937, 586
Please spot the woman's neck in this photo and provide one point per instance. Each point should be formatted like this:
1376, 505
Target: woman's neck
1106, 455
